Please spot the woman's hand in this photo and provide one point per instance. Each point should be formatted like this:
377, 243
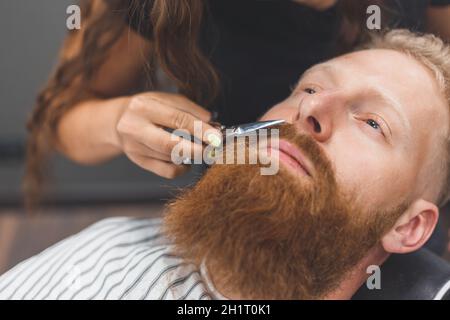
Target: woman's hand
317, 4
142, 136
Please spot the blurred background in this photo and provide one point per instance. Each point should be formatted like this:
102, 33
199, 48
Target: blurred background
31, 33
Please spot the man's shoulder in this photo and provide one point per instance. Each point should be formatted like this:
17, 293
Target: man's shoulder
153, 223
119, 233
91, 263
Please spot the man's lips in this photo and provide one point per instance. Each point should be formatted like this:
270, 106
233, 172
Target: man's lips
292, 157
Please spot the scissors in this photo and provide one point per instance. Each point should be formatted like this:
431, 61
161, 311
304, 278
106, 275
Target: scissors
240, 130
243, 129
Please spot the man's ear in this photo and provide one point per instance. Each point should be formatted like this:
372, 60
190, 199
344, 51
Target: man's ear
412, 229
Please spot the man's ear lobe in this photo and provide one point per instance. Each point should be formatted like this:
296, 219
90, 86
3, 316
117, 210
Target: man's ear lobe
412, 229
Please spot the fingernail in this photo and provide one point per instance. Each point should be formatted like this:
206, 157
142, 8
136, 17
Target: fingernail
214, 140
211, 154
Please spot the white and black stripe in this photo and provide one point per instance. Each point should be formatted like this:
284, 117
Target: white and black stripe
117, 258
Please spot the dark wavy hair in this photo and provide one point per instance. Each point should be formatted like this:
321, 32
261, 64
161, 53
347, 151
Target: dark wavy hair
174, 26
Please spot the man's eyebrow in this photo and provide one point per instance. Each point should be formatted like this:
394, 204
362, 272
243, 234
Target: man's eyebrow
326, 68
393, 104
322, 67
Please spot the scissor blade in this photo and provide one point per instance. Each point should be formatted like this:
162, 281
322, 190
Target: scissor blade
251, 127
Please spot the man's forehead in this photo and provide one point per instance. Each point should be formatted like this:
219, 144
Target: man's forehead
384, 64
367, 61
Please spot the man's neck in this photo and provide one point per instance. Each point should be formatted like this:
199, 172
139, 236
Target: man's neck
347, 288
358, 275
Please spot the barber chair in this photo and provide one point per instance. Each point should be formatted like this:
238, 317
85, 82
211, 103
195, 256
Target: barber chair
421, 275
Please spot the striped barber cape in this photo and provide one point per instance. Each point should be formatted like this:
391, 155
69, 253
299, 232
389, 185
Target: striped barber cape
116, 258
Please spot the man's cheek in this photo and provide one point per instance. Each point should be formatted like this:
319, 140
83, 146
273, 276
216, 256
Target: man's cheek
356, 174
374, 184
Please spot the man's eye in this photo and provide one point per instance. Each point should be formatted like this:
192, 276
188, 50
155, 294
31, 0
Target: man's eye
373, 124
309, 90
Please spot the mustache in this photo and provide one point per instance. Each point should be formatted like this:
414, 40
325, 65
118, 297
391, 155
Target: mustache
309, 147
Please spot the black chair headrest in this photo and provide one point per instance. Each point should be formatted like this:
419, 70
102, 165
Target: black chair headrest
421, 275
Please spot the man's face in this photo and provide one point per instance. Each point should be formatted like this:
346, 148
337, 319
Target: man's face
366, 150
379, 117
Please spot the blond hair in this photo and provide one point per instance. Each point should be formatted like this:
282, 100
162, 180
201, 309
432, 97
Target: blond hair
434, 53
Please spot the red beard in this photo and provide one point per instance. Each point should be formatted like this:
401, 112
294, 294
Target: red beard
274, 237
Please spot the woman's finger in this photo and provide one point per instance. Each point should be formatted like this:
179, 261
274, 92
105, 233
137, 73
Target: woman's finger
166, 143
161, 168
182, 103
138, 148
166, 115
176, 119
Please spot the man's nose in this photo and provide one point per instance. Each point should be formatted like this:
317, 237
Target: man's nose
320, 113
